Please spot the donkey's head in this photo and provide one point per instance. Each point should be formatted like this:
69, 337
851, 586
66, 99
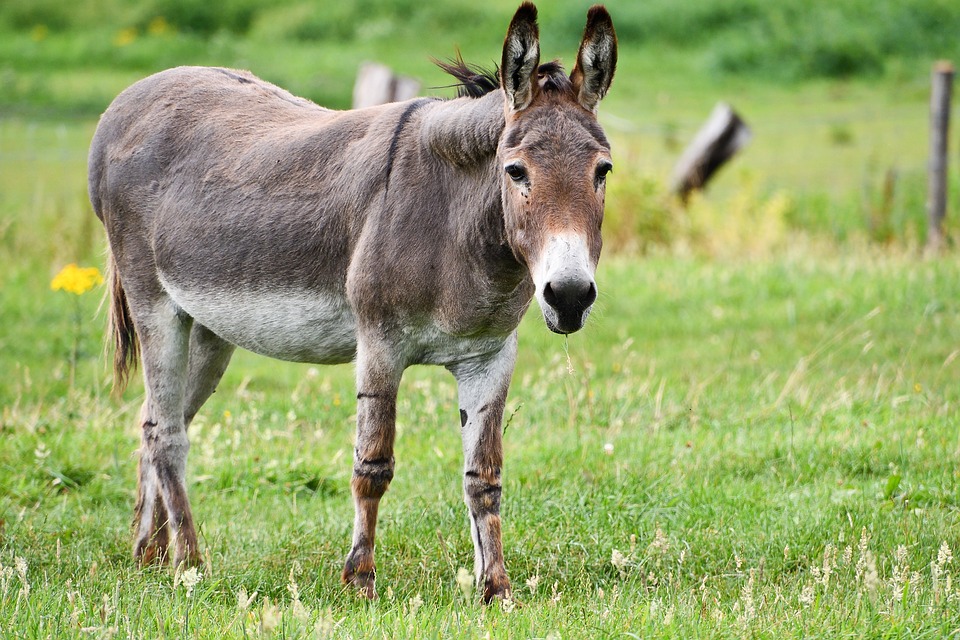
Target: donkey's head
555, 159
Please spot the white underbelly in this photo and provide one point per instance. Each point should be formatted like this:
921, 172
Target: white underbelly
288, 324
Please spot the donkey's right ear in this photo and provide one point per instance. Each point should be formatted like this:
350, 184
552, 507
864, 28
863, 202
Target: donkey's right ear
521, 58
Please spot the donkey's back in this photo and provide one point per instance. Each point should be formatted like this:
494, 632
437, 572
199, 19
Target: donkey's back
226, 194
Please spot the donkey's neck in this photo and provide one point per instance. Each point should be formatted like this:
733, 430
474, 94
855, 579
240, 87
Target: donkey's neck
465, 132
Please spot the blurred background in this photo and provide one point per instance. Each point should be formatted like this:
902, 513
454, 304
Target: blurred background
835, 93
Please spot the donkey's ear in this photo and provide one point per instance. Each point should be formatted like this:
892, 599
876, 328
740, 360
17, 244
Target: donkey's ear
596, 60
521, 58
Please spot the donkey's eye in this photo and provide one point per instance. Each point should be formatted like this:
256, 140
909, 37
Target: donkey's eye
516, 171
603, 169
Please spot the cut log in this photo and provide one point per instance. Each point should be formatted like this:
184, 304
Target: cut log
378, 84
718, 140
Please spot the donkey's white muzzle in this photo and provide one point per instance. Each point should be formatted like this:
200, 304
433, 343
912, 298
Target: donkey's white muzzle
565, 286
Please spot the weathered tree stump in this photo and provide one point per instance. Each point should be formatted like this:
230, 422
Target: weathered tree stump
378, 84
718, 140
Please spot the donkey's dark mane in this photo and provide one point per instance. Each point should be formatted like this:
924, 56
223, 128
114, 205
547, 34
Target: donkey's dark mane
474, 81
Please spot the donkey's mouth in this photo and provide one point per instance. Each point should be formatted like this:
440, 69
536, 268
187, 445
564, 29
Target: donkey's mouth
565, 324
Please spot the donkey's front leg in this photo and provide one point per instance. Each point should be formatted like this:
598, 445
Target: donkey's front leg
482, 387
377, 380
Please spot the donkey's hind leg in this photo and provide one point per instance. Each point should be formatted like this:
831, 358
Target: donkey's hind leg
209, 357
162, 505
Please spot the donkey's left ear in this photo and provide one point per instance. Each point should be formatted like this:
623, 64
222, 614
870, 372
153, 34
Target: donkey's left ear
521, 58
596, 60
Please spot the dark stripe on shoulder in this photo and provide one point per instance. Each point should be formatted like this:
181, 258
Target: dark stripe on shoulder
397, 132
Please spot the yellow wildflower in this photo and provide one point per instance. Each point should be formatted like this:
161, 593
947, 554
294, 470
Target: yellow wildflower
125, 37
159, 26
78, 280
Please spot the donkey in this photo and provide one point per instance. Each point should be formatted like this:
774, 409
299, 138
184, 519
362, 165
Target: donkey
410, 233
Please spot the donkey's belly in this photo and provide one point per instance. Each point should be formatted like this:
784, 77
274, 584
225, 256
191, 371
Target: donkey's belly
295, 325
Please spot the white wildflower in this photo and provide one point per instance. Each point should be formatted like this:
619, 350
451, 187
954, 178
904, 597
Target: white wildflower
243, 600
746, 599
862, 553
269, 617
41, 453
533, 582
608, 448
668, 616
555, 595
806, 595
72, 601
618, 560
871, 579
901, 573
6, 574
299, 611
21, 566
944, 555
660, 544
829, 562
414, 604
188, 578
465, 582
508, 604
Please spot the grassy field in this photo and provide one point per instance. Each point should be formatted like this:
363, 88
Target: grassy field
755, 436
730, 449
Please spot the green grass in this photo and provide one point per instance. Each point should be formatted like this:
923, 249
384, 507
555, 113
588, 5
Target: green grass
764, 418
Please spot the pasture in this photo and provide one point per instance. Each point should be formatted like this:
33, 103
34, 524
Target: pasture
756, 435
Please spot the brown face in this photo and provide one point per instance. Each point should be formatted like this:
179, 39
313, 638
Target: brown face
555, 159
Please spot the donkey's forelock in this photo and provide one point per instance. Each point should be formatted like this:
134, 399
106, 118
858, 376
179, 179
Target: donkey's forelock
474, 81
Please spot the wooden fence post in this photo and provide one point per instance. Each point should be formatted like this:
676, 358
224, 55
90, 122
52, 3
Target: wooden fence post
378, 84
942, 83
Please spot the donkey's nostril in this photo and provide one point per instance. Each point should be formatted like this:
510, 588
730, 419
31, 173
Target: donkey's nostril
570, 295
591, 296
549, 296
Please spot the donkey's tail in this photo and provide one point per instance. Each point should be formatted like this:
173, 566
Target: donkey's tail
120, 329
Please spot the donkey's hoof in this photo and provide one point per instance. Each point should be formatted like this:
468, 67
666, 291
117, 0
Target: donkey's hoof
495, 589
149, 553
187, 560
364, 581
